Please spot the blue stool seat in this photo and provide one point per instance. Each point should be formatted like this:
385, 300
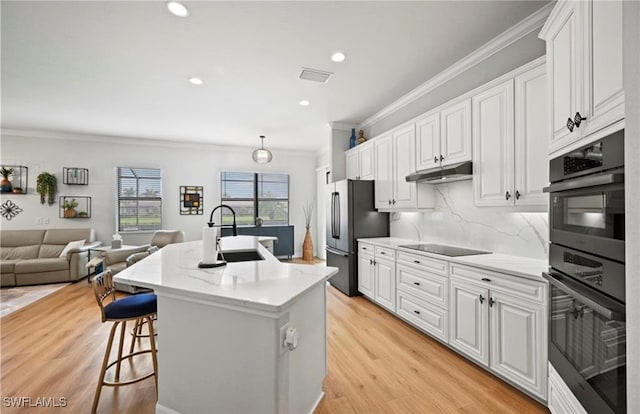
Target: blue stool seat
132, 306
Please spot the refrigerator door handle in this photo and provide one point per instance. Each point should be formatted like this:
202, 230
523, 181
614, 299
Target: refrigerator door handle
334, 251
338, 216
333, 215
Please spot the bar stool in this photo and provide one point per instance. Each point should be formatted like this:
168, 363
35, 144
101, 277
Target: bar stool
138, 308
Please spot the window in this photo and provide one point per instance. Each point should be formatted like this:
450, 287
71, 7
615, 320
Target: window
254, 195
139, 199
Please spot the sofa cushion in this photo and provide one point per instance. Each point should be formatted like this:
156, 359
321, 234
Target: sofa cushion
50, 250
41, 265
7, 266
64, 236
70, 246
20, 252
13, 238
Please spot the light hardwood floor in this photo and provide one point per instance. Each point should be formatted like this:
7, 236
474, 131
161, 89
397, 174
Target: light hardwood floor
377, 363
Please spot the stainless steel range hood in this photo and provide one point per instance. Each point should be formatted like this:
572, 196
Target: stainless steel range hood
441, 175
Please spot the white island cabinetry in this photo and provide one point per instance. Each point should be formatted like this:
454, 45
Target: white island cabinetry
222, 331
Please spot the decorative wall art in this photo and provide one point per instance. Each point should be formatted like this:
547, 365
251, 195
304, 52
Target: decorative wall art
191, 200
75, 176
9, 210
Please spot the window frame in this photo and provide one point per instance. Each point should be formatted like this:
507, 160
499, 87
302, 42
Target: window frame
256, 199
137, 198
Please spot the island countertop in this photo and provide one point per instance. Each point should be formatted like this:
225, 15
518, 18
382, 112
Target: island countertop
267, 285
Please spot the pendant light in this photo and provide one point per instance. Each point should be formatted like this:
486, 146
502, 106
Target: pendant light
262, 155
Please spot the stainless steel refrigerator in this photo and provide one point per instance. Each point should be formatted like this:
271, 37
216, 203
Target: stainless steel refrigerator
350, 215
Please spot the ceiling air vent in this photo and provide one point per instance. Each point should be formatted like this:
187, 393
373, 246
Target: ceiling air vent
314, 75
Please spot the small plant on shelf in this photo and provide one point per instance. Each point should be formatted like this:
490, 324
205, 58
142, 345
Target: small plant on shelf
5, 184
46, 186
69, 207
83, 214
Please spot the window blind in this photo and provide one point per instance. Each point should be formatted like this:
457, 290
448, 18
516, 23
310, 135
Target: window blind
139, 199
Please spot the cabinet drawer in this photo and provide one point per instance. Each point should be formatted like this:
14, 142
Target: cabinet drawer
422, 262
426, 285
500, 282
364, 248
430, 318
385, 253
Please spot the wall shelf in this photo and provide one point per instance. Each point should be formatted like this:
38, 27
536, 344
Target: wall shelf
82, 209
75, 176
19, 180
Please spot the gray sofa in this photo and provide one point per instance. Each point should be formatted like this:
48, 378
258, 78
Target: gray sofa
31, 257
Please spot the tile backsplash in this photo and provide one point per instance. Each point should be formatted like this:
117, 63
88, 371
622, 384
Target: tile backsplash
456, 221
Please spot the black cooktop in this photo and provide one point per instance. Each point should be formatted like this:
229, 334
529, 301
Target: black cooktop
444, 250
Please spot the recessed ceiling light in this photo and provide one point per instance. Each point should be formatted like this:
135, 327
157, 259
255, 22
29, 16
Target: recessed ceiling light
177, 8
196, 81
304, 102
338, 57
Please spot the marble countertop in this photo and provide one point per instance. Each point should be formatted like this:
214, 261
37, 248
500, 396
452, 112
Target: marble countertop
263, 284
504, 263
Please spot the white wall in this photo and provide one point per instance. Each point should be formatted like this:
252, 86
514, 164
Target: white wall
456, 221
181, 164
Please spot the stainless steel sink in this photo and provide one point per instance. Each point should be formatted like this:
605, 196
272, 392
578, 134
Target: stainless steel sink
243, 256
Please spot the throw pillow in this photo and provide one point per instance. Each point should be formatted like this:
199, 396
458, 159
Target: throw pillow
71, 245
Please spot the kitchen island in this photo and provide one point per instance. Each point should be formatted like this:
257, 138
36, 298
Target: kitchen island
249, 337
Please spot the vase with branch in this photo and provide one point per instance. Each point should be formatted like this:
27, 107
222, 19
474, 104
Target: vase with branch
307, 245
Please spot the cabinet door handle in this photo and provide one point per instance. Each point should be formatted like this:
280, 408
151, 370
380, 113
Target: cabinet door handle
370, 261
486, 279
578, 119
383, 253
364, 248
416, 261
389, 202
570, 124
394, 202
491, 302
417, 312
507, 195
517, 195
441, 158
416, 283
435, 159
481, 299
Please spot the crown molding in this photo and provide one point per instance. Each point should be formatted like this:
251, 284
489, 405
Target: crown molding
342, 126
503, 40
121, 140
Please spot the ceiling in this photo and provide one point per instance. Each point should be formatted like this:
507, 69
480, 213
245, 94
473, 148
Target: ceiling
121, 68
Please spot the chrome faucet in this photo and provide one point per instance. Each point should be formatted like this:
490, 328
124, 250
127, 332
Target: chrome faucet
211, 223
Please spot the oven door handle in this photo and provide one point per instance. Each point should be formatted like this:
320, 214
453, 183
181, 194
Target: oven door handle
601, 304
584, 182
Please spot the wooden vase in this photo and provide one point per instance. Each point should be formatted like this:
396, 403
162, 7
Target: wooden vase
307, 247
70, 213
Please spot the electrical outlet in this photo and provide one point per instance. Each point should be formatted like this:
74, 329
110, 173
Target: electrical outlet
39, 220
45, 220
283, 335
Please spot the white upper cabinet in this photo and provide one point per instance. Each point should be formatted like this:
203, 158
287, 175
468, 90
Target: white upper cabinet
493, 145
428, 141
360, 163
456, 133
443, 137
509, 131
604, 65
531, 129
584, 65
394, 158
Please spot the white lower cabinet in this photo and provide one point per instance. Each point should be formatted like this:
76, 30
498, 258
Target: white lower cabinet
376, 275
470, 320
496, 319
504, 329
365, 273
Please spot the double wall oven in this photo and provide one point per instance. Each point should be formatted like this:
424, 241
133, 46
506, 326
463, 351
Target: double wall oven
587, 338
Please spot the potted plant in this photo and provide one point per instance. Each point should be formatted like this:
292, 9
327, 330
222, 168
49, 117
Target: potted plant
46, 186
17, 190
69, 207
83, 214
5, 184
